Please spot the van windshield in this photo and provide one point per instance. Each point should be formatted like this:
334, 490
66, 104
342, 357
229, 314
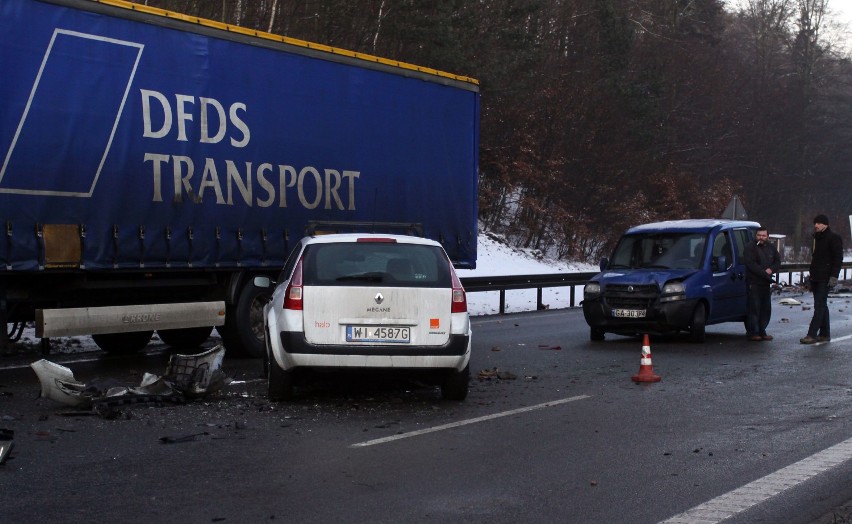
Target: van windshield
671, 250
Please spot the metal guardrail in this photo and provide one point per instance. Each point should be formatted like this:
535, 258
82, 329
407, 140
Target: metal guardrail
573, 280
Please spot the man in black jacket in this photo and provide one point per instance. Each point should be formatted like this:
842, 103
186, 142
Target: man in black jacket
826, 259
762, 262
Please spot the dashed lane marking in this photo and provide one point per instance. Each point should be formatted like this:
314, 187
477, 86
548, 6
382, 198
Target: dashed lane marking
726, 506
460, 423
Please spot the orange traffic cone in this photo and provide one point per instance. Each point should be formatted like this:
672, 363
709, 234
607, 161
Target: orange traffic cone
646, 369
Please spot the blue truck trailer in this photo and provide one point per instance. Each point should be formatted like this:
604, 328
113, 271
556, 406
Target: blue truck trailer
152, 164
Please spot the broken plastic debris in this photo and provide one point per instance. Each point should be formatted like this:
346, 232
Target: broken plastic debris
58, 383
197, 375
186, 375
5, 443
789, 302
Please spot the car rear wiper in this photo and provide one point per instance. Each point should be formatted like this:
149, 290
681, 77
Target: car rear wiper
367, 277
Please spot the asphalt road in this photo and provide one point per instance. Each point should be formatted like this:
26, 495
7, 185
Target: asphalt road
554, 430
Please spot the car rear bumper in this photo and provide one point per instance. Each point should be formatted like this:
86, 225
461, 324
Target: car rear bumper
291, 350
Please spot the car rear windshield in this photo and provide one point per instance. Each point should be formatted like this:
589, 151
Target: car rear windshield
672, 250
376, 263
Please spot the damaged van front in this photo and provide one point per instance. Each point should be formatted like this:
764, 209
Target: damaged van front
669, 277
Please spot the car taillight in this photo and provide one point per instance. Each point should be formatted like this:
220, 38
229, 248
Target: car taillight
293, 295
459, 298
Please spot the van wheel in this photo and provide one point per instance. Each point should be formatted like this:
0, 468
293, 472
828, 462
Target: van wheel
596, 334
280, 382
187, 338
699, 321
123, 343
243, 329
456, 384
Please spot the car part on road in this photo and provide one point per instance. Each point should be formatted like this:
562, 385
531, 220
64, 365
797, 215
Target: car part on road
187, 376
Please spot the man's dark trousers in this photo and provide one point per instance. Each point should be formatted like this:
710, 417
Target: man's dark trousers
759, 309
819, 324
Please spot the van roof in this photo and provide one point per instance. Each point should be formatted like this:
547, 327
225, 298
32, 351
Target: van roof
693, 224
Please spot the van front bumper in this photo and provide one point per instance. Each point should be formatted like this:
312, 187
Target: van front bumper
660, 318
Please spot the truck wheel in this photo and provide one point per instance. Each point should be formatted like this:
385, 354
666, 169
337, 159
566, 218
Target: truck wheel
596, 334
243, 329
187, 338
456, 384
699, 320
123, 343
280, 382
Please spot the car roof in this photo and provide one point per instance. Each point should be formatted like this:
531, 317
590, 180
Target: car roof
354, 237
692, 225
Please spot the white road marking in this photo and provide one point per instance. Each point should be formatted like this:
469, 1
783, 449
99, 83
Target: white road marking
762, 489
467, 422
847, 337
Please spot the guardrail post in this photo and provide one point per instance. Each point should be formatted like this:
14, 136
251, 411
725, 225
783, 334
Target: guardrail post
502, 301
538, 303
573, 295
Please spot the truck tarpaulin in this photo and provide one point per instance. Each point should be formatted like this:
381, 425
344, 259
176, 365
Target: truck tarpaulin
163, 144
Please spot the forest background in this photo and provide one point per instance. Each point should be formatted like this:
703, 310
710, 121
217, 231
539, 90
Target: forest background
597, 115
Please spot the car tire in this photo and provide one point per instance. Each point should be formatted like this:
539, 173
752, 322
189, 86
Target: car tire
243, 329
187, 338
699, 321
280, 382
456, 384
596, 334
123, 343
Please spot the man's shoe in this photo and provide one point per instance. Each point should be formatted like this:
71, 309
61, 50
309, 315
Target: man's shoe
766, 337
808, 340
755, 338
823, 339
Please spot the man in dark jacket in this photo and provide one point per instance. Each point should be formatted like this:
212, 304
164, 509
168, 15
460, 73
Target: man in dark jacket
826, 259
762, 262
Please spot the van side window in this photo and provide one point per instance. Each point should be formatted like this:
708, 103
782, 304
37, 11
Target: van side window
722, 247
741, 237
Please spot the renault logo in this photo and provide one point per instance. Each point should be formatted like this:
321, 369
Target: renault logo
379, 298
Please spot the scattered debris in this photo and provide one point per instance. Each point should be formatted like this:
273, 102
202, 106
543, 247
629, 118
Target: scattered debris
488, 374
187, 376
553, 348
789, 302
180, 440
5, 443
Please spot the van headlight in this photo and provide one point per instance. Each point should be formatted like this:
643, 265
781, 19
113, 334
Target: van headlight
673, 291
592, 290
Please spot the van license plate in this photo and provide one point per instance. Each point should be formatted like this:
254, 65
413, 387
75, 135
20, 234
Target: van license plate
628, 313
378, 334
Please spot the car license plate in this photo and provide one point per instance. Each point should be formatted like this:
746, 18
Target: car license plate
628, 313
378, 334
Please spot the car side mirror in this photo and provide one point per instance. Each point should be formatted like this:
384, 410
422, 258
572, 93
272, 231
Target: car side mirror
264, 282
604, 263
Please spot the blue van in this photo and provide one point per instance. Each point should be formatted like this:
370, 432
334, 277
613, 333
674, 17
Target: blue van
668, 277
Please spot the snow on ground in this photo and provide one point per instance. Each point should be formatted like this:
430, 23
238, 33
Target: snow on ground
497, 259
